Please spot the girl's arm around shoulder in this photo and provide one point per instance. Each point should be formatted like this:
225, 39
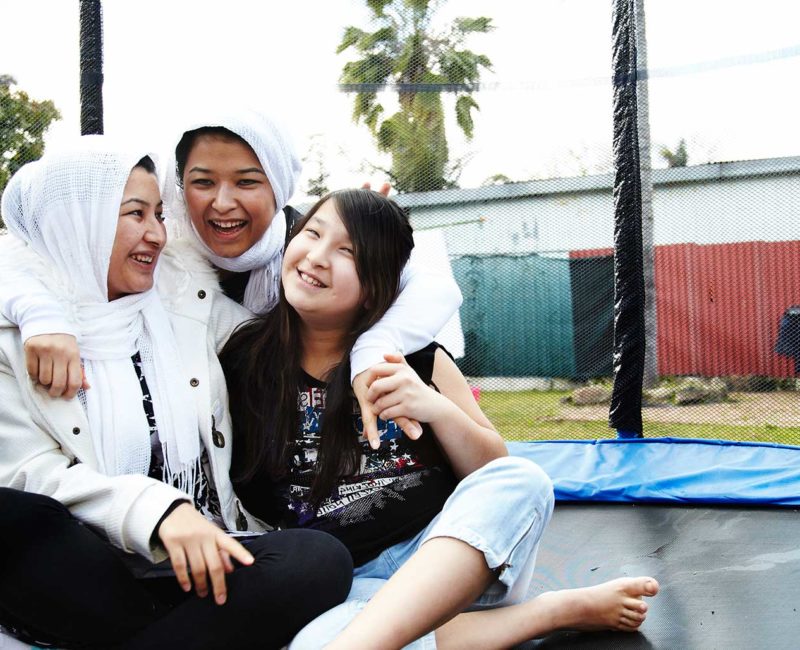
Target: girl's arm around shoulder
25, 297
427, 300
464, 433
50, 337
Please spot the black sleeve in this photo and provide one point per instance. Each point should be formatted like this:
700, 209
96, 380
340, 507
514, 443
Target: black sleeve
154, 538
422, 361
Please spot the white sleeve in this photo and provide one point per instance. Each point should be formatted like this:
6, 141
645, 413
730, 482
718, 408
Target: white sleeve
125, 508
25, 300
426, 302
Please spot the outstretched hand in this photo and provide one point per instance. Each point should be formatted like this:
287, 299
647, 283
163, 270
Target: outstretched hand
53, 360
196, 545
369, 412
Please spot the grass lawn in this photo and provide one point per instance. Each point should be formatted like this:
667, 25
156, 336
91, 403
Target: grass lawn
534, 415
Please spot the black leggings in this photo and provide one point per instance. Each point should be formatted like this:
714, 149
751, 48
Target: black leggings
62, 584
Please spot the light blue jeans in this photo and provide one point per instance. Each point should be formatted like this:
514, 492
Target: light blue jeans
501, 509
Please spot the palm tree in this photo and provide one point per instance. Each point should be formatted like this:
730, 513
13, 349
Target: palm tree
405, 53
677, 158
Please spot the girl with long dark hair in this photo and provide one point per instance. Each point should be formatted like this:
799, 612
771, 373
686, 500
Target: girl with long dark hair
436, 523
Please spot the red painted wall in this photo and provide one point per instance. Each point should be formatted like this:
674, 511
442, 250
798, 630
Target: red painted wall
719, 306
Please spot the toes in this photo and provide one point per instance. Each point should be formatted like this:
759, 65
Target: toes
635, 605
629, 626
643, 586
634, 617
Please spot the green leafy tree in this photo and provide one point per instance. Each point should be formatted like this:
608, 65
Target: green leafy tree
23, 123
404, 51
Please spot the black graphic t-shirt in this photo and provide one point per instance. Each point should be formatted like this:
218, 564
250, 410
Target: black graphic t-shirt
395, 493
206, 500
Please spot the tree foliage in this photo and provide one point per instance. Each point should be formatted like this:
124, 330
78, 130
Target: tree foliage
23, 123
677, 158
404, 51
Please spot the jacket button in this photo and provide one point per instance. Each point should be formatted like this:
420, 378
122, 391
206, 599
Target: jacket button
76, 430
241, 520
194, 382
201, 294
218, 438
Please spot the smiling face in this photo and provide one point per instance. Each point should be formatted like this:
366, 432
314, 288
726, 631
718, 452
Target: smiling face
139, 238
228, 196
319, 272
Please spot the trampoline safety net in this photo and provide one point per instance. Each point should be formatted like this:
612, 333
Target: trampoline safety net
494, 123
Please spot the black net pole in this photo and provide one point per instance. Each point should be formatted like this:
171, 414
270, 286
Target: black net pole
625, 414
91, 67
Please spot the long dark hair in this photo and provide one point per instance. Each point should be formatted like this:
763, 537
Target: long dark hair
262, 360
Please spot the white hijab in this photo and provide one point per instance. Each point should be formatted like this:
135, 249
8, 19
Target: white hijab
276, 153
65, 207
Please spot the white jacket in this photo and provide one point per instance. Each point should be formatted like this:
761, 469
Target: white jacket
46, 446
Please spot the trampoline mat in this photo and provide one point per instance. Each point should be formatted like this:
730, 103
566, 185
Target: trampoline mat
730, 577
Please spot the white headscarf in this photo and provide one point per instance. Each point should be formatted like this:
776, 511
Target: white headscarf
276, 153
65, 207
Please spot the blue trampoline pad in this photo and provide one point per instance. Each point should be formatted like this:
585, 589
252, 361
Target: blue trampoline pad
668, 470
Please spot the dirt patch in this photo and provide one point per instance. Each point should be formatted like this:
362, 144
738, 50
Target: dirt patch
781, 409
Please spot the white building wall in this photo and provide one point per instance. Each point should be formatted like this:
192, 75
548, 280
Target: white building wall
723, 203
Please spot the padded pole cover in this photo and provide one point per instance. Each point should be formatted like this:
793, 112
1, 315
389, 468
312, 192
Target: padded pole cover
625, 413
91, 46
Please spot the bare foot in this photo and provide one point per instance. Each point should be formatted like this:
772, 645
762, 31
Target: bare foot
613, 605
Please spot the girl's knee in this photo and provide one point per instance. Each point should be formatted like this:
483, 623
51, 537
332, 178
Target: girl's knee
323, 551
521, 473
306, 561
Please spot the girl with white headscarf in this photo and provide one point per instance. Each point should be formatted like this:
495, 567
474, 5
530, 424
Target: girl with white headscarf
236, 171
97, 490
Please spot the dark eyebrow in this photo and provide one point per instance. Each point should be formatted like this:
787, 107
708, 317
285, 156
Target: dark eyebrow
140, 202
248, 170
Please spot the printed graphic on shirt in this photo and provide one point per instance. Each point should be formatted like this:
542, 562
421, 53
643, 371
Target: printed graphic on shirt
206, 500
395, 465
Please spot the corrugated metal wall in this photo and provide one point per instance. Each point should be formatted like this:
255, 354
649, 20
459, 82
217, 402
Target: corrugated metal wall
516, 316
719, 306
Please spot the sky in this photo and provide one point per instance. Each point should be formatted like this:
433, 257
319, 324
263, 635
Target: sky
546, 109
